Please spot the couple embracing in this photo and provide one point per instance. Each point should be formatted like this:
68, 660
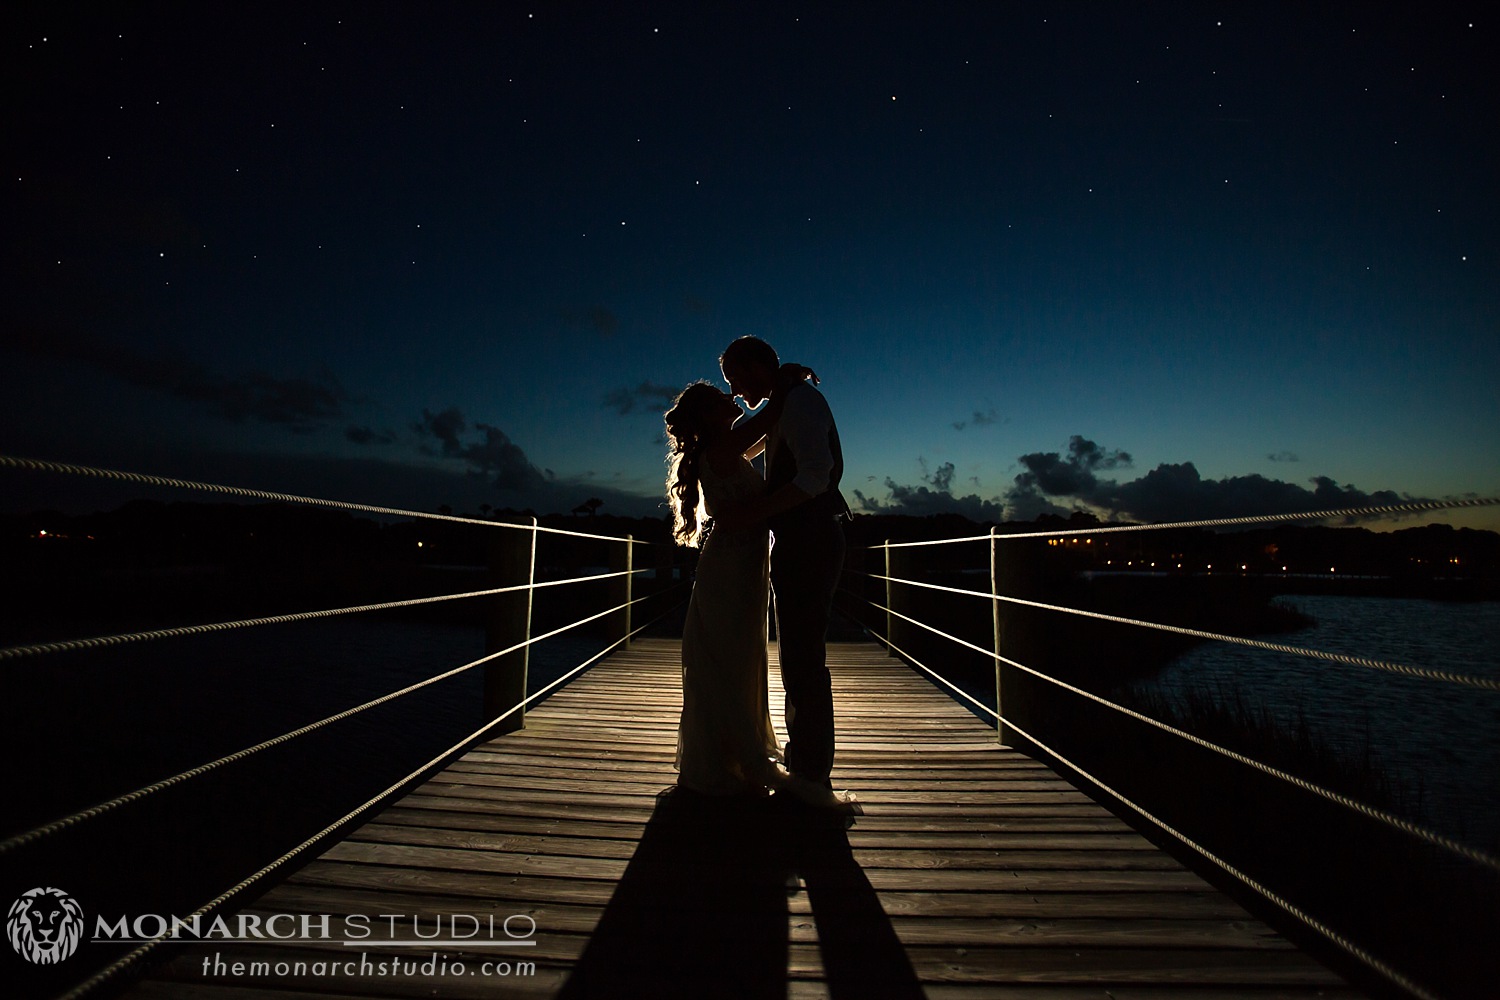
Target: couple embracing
781, 535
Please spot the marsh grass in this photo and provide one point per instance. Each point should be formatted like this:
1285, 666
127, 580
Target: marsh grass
1221, 714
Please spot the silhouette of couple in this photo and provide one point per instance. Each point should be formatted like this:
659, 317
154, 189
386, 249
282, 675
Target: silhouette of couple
703, 907
779, 535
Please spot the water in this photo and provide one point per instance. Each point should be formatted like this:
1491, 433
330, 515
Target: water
82, 728
1441, 740
140, 712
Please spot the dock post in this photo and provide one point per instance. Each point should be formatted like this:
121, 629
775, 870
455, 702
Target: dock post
890, 640
629, 584
621, 588
508, 623
998, 629
1019, 570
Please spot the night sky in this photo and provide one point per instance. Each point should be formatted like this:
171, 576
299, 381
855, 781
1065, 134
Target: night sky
1159, 260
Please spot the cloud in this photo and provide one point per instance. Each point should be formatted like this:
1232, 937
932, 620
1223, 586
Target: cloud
650, 396
493, 455
1283, 456
978, 420
1169, 492
301, 405
445, 427
1071, 474
1061, 483
368, 435
934, 496
1175, 492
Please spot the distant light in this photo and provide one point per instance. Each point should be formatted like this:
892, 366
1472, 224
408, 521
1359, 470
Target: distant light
419, 545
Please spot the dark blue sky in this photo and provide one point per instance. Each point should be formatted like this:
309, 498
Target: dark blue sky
1162, 259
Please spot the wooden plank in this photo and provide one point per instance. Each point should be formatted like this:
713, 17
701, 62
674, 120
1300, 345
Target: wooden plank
400, 884
975, 870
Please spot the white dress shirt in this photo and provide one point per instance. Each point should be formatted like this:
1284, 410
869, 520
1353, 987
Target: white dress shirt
804, 427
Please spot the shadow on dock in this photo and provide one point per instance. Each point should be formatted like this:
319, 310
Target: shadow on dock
703, 904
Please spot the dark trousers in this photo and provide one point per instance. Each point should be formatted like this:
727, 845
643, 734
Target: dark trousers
805, 566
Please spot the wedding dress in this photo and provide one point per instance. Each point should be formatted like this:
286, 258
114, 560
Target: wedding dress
725, 743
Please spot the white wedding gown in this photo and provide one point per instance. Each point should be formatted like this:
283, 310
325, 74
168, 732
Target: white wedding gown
726, 744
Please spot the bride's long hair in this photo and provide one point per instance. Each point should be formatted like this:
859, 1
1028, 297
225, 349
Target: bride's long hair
687, 435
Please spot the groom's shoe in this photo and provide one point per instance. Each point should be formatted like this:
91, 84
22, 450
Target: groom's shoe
803, 819
817, 801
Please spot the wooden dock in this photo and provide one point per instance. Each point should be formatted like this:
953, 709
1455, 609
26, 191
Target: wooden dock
975, 871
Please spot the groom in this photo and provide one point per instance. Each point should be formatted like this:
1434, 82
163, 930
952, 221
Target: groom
804, 508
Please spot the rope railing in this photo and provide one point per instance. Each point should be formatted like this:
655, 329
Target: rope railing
517, 564
97, 642
1221, 522
1370, 812
134, 957
1426, 673
39, 465
1389, 819
22, 839
530, 586
1341, 941
995, 537
1370, 960
1386, 819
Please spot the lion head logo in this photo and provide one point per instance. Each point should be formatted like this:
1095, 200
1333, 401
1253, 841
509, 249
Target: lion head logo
45, 926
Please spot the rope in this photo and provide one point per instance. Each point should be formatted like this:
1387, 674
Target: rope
37, 465
1287, 906
15, 652
126, 961
1371, 812
935, 675
1223, 522
1334, 936
1483, 683
22, 839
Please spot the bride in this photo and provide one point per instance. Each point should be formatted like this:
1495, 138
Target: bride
726, 744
